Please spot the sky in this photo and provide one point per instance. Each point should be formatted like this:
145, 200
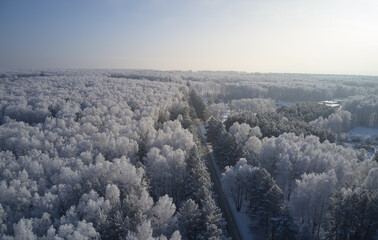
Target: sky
291, 36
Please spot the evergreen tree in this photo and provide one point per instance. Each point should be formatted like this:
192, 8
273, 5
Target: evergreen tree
354, 214
213, 128
375, 157
198, 104
189, 220
271, 219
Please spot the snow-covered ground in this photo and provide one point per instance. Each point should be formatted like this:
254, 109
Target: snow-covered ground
331, 103
336, 102
358, 137
363, 132
241, 218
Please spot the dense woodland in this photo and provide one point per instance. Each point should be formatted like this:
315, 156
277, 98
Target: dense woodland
285, 170
118, 155
88, 156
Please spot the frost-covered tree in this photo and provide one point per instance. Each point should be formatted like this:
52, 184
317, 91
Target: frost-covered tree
217, 111
339, 122
254, 105
237, 180
306, 111
364, 109
275, 123
24, 230
71, 146
211, 223
242, 132
161, 216
213, 128
311, 201
227, 150
167, 168
80, 151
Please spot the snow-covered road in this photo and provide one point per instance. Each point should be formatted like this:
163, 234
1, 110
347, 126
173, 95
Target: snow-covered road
238, 222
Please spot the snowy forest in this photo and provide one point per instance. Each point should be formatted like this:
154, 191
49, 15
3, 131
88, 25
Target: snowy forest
143, 154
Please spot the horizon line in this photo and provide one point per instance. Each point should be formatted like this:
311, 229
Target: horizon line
180, 70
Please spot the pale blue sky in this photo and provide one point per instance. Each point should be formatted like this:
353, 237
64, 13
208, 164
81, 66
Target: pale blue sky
323, 36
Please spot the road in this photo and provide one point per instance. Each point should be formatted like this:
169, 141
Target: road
227, 213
